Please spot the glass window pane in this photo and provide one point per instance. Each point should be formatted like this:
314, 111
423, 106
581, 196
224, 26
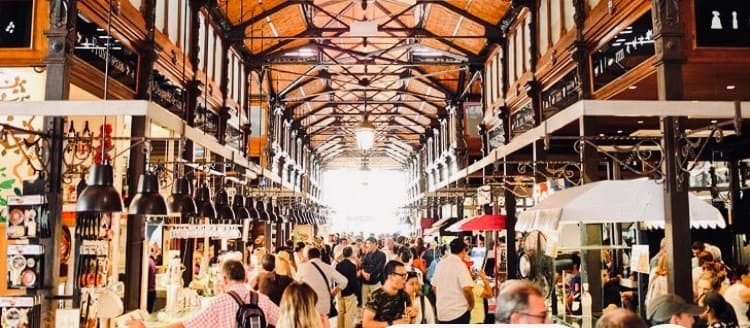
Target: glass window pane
568, 12
173, 12
555, 20
543, 27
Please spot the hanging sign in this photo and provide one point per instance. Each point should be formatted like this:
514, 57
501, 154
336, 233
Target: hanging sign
484, 195
632, 46
91, 46
560, 95
166, 94
16, 21
522, 119
723, 23
496, 136
639, 261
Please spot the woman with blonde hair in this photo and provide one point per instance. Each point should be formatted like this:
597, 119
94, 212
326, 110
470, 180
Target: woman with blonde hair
297, 307
657, 282
283, 265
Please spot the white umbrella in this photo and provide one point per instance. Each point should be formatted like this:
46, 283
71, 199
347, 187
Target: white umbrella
638, 200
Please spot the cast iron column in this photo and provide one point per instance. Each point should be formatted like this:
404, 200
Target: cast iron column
61, 39
668, 41
511, 257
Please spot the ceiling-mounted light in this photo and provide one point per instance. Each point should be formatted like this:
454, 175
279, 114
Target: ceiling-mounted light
148, 201
203, 201
223, 211
100, 195
238, 205
181, 200
365, 134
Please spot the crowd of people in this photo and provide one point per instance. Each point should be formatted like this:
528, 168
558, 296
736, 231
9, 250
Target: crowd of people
349, 281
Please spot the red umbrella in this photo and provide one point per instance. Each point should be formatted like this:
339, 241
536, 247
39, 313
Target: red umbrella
486, 222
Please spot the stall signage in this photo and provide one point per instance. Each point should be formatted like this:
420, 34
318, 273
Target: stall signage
91, 46
723, 23
16, 21
166, 94
206, 120
522, 119
560, 95
496, 136
632, 46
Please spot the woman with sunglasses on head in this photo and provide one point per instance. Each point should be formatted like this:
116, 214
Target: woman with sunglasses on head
426, 312
718, 313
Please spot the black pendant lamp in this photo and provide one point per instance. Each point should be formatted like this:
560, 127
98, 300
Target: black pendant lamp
100, 195
269, 210
147, 200
260, 208
277, 213
203, 201
181, 200
238, 205
223, 211
250, 207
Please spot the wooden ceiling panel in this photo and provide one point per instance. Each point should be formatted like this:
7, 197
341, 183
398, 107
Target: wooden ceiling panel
249, 9
490, 11
468, 27
441, 21
286, 22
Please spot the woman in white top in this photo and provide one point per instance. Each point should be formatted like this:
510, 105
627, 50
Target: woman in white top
414, 289
657, 281
738, 295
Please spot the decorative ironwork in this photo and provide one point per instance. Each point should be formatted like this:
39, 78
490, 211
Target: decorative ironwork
569, 171
644, 157
24, 141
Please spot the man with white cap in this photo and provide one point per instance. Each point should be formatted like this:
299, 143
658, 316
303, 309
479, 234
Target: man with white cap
670, 310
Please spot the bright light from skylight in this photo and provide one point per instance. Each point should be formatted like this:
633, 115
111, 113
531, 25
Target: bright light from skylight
364, 201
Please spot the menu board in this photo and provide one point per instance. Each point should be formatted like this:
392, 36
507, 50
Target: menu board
16, 21
630, 47
724, 23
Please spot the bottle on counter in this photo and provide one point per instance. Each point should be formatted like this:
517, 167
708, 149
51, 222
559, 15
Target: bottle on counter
586, 302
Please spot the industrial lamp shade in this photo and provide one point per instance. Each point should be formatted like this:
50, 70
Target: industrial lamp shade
270, 212
260, 208
147, 200
365, 134
203, 201
250, 207
100, 195
181, 200
238, 205
223, 211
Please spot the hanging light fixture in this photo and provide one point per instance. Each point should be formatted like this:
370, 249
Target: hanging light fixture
203, 201
147, 200
223, 211
100, 195
181, 200
238, 205
365, 132
250, 207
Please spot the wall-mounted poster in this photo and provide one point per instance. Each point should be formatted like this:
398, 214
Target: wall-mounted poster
522, 119
560, 95
630, 47
724, 23
16, 21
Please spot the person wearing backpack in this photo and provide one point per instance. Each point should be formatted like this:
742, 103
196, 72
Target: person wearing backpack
224, 311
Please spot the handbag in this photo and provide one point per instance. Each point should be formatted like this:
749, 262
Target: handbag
332, 312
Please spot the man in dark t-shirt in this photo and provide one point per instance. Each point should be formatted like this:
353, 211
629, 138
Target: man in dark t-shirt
390, 304
270, 283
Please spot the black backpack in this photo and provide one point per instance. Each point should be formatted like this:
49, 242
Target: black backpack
249, 315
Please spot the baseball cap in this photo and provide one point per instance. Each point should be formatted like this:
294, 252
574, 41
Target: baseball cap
664, 307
